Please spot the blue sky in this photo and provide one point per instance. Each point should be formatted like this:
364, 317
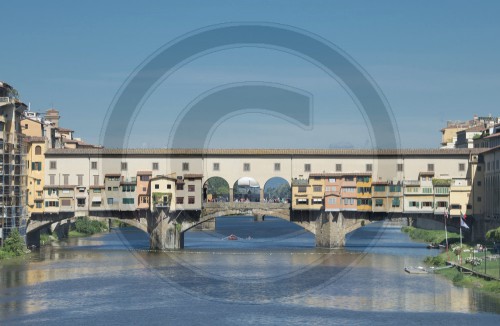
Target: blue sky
434, 61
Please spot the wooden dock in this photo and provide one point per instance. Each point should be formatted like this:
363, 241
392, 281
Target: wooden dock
473, 272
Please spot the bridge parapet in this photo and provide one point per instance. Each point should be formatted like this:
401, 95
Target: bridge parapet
245, 205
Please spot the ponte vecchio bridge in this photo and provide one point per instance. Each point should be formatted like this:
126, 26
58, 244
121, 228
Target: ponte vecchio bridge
162, 190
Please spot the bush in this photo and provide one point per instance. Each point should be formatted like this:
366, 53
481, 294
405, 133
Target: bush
14, 244
493, 235
435, 261
458, 277
89, 227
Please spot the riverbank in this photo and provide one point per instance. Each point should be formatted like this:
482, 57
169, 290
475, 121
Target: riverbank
469, 256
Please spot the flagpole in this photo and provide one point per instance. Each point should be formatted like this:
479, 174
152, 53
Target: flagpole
460, 244
446, 234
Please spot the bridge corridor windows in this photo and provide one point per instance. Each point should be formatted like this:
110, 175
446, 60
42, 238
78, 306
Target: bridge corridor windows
277, 190
246, 189
216, 189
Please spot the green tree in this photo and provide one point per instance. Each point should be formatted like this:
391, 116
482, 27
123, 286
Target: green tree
493, 235
217, 187
14, 244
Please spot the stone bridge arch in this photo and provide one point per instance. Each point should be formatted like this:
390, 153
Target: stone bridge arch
258, 210
282, 187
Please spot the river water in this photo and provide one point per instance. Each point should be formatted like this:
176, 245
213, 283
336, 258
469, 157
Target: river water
271, 275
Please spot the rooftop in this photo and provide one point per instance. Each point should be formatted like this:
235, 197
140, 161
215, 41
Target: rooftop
262, 152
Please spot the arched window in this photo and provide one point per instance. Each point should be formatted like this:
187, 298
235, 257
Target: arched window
38, 150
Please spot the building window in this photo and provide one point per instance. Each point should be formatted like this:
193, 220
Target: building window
144, 177
430, 167
191, 200
157, 186
52, 179
38, 182
53, 165
317, 188
128, 188
277, 167
155, 165
332, 200
38, 150
427, 204
185, 166
307, 167
488, 166
96, 190
127, 201
80, 179
379, 188
479, 183
169, 186
441, 204
51, 203
80, 202
379, 202
216, 167
96, 180
427, 190
302, 189
369, 168
479, 199
479, 167
400, 167
93, 165
191, 188
110, 201
302, 201
179, 200
38, 204
413, 204
36, 166
144, 199
179, 186
461, 167
338, 167
65, 179
246, 166
395, 202
124, 166
332, 180
66, 202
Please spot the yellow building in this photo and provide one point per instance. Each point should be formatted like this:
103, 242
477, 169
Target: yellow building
35, 162
364, 189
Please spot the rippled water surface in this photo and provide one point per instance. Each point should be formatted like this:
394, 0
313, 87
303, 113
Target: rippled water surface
271, 275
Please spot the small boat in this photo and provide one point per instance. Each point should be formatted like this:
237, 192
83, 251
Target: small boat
232, 237
432, 246
416, 270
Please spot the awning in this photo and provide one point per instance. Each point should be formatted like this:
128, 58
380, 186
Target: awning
96, 199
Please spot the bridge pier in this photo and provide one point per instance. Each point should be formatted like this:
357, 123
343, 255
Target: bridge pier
258, 217
61, 228
330, 231
164, 233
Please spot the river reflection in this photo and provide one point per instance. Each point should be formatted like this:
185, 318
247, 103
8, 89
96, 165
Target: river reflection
273, 272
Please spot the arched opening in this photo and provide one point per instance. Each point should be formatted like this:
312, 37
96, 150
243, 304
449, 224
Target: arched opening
216, 189
277, 190
38, 150
246, 189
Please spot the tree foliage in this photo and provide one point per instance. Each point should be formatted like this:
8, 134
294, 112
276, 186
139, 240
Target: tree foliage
14, 244
86, 226
493, 235
218, 187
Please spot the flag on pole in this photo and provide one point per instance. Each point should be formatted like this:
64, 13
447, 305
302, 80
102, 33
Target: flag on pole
462, 222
